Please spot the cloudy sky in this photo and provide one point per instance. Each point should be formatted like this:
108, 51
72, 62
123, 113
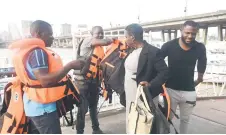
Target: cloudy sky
100, 12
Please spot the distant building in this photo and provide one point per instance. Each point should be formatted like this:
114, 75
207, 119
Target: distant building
65, 30
26, 28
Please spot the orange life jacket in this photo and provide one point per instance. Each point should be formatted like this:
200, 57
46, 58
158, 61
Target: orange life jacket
90, 70
117, 44
33, 88
14, 118
96, 58
15, 121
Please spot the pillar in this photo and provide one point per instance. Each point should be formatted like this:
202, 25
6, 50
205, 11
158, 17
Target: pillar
74, 43
169, 35
150, 36
163, 35
58, 42
225, 34
198, 35
175, 34
146, 35
220, 33
66, 43
205, 35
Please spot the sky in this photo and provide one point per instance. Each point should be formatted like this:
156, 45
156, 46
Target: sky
100, 12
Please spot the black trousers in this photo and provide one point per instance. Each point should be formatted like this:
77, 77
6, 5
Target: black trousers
48, 123
89, 97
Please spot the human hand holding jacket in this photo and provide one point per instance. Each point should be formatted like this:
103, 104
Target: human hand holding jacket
145, 83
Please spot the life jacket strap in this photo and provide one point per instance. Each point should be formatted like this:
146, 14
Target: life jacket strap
91, 63
62, 83
8, 115
69, 86
10, 129
25, 126
95, 56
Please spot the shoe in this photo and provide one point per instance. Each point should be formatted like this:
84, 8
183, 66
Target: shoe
99, 131
78, 132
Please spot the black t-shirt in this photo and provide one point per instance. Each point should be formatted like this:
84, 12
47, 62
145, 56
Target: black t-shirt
182, 63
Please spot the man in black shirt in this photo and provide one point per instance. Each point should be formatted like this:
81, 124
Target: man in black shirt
182, 55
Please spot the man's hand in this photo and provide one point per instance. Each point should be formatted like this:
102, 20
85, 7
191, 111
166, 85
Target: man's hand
109, 41
144, 83
77, 64
197, 82
200, 79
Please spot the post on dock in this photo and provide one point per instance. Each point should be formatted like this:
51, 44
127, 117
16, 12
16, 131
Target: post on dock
58, 42
220, 33
224, 34
198, 35
205, 33
163, 35
146, 35
150, 36
175, 34
169, 35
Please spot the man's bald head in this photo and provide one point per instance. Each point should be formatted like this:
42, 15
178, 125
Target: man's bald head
43, 30
97, 32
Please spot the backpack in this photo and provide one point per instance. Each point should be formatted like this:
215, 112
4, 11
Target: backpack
112, 67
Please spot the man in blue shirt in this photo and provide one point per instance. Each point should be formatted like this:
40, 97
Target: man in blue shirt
43, 117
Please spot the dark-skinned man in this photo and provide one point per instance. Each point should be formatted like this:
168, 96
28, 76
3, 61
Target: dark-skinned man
43, 117
89, 90
182, 55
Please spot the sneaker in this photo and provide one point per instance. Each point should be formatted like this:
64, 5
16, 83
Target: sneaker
99, 131
78, 132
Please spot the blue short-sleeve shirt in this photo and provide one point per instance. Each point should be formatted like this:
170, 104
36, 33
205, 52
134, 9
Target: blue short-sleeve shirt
36, 59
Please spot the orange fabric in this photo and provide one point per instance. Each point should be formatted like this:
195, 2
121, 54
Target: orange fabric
168, 100
97, 56
16, 110
114, 46
41, 95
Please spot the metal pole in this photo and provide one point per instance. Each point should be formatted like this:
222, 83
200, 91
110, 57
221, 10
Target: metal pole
74, 46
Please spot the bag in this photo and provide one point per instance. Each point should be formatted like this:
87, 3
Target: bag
112, 67
65, 105
140, 119
160, 124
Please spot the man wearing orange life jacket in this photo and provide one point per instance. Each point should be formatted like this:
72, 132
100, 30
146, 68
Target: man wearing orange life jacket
89, 89
38, 66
